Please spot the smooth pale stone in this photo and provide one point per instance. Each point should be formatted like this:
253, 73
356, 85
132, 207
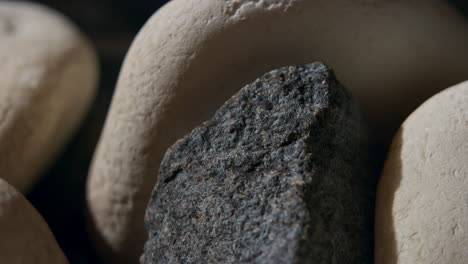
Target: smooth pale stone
24, 235
49, 76
194, 54
422, 199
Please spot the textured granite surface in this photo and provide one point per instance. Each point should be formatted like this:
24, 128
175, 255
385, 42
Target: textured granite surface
280, 174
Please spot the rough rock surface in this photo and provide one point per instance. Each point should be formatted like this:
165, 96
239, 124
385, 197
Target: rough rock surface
192, 55
278, 175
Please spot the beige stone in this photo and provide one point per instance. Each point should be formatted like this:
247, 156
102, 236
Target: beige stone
422, 200
193, 54
25, 238
48, 80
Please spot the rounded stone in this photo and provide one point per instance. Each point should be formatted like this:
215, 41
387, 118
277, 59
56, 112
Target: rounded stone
25, 236
192, 55
422, 199
49, 76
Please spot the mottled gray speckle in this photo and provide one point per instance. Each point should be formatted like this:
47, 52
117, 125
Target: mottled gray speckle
280, 174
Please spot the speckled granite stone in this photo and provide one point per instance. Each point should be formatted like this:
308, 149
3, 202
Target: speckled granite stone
280, 174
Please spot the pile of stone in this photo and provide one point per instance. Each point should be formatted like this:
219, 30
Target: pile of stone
286, 169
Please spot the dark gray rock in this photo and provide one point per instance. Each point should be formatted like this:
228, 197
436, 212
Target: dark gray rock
280, 174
